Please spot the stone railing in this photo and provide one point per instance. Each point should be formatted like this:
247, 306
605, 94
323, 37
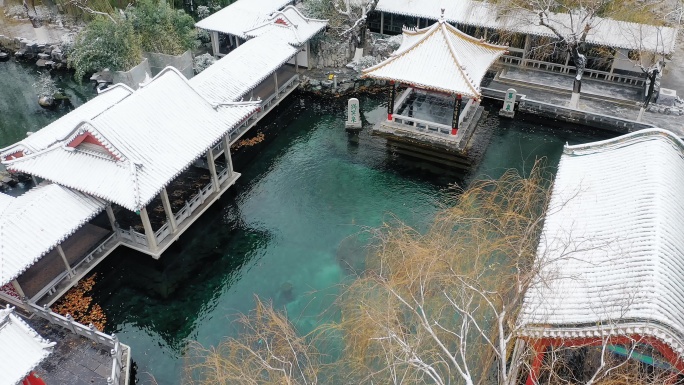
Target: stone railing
562, 68
51, 287
120, 353
422, 125
190, 206
134, 237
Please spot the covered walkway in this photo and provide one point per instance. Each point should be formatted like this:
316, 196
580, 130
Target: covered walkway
611, 255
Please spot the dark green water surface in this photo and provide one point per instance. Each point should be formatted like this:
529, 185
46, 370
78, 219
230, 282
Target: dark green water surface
19, 109
290, 231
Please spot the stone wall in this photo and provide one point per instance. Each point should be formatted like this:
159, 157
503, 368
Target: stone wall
45, 55
330, 52
134, 76
159, 61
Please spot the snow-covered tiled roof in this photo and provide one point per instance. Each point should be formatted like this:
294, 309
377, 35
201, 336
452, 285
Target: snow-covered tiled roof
607, 32
239, 72
63, 126
36, 222
21, 348
439, 58
128, 153
241, 16
290, 25
612, 251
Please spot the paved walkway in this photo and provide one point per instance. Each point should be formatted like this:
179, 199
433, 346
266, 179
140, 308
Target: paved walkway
552, 88
76, 360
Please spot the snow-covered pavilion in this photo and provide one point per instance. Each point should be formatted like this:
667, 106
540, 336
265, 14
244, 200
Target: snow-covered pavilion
22, 349
130, 152
440, 65
36, 246
227, 26
611, 251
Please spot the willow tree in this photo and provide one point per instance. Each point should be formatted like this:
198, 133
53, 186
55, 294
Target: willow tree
570, 22
433, 307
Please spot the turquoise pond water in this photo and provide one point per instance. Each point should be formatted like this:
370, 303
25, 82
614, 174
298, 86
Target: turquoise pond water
291, 229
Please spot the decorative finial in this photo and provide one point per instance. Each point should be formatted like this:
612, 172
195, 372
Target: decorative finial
442, 17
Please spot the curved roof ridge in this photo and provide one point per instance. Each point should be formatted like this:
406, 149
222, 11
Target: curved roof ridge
633, 137
464, 71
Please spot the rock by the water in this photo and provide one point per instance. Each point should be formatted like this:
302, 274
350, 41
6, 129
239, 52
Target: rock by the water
43, 56
47, 101
41, 63
327, 83
4, 56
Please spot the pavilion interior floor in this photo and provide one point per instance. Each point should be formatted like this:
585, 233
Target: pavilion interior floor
429, 107
76, 247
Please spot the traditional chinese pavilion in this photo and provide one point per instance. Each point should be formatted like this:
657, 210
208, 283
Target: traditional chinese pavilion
612, 253
440, 67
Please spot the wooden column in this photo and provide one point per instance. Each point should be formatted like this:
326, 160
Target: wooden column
418, 22
275, 79
237, 41
457, 113
18, 289
168, 211
308, 55
149, 233
215, 44
297, 62
65, 260
539, 351
212, 170
390, 102
226, 153
382, 23
112, 219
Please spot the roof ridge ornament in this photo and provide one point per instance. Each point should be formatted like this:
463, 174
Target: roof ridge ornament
441, 18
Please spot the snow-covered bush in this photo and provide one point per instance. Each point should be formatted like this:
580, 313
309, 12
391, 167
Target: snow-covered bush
202, 62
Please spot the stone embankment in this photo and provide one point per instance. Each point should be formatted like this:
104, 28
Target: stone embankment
20, 39
9, 181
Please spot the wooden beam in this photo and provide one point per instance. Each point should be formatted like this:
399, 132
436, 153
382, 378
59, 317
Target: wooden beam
212, 170
149, 233
65, 260
168, 211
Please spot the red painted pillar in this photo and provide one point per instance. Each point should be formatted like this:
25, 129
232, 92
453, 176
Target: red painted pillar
539, 349
390, 103
457, 113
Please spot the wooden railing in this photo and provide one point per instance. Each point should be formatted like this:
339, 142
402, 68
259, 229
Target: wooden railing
119, 363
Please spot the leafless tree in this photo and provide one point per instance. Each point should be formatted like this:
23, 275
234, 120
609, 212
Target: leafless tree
571, 22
